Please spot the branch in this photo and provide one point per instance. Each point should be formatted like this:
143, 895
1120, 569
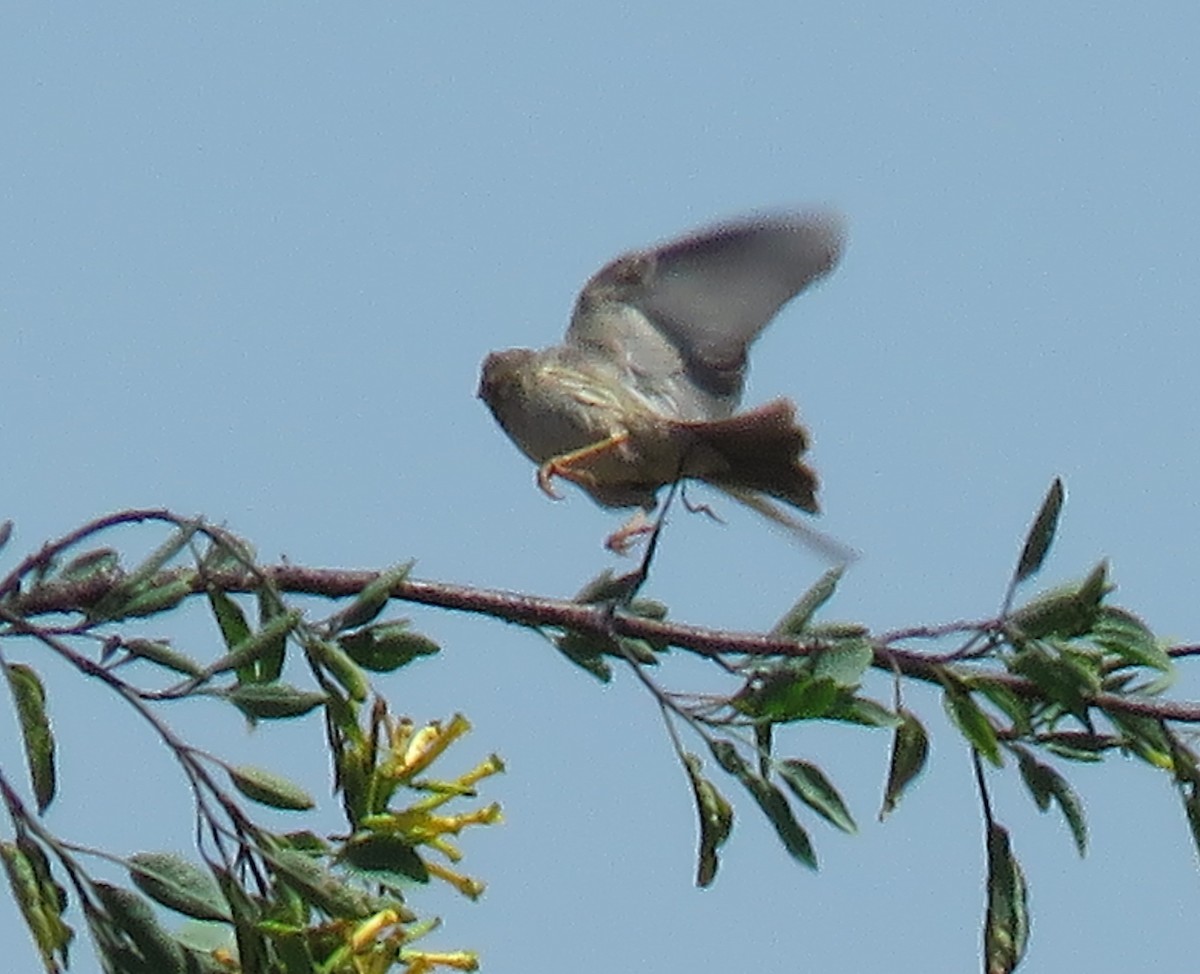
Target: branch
598, 620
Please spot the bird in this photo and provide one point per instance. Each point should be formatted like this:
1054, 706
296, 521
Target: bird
643, 391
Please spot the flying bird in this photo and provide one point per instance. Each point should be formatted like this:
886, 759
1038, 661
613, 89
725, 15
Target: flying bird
644, 389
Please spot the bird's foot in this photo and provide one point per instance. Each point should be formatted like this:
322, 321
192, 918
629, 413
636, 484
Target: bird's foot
625, 537
545, 479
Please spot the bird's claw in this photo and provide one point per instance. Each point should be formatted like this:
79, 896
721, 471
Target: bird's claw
545, 479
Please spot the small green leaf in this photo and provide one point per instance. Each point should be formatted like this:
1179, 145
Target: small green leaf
910, 749
273, 701
773, 803
716, 820
91, 564
809, 783
386, 647
175, 883
29, 695
586, 652
1068, 611
230, 618
844, 662
318, 886
764, 733
771, 800
1012, 706
269, 666
972, 721
1189, 792
864, 711
133, 915
147, 601
374, 596
789, 693
268, 788
341, 667
1045, 785
161, 653
227, 553
387, 856
1006, 930
257, 645
648, 609
1084, 747
797, 618
1041, 534
1064, 679
40, 899
1125, 635
1144, 736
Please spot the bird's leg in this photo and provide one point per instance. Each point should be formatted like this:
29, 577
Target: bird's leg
564, 465
698, 508
623, 538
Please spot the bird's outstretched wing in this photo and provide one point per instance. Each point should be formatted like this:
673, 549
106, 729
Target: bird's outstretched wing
692, 306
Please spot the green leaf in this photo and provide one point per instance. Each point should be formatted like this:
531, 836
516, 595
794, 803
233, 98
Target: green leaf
1068, 611
175, 883
133, 915
1063, 678
273, 701
318, 886
1125, 635
340, 666
147, 601
972, 721
1041, 534
648, 609
256, 646
789, 693
386, 647
773, 803
388, 857
1013, 707
1006, 930
1084, 748
844, 662
374, 596
30, 698
161, 653
586, 652
1045, 785
864, 711
230, 618
1144, 736
910, 749
40, 899
268, 788
716, 820
771, 800
764, 733
100, 562
797, 618
809, 783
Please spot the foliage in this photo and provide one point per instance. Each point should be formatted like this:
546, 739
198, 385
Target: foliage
1064, 676
259, 900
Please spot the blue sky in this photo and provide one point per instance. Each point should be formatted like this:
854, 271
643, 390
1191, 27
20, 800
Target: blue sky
253, 256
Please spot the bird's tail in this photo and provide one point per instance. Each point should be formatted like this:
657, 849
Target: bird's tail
757, 451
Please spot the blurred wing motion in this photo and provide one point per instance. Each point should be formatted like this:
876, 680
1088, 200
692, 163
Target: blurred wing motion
680, 318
